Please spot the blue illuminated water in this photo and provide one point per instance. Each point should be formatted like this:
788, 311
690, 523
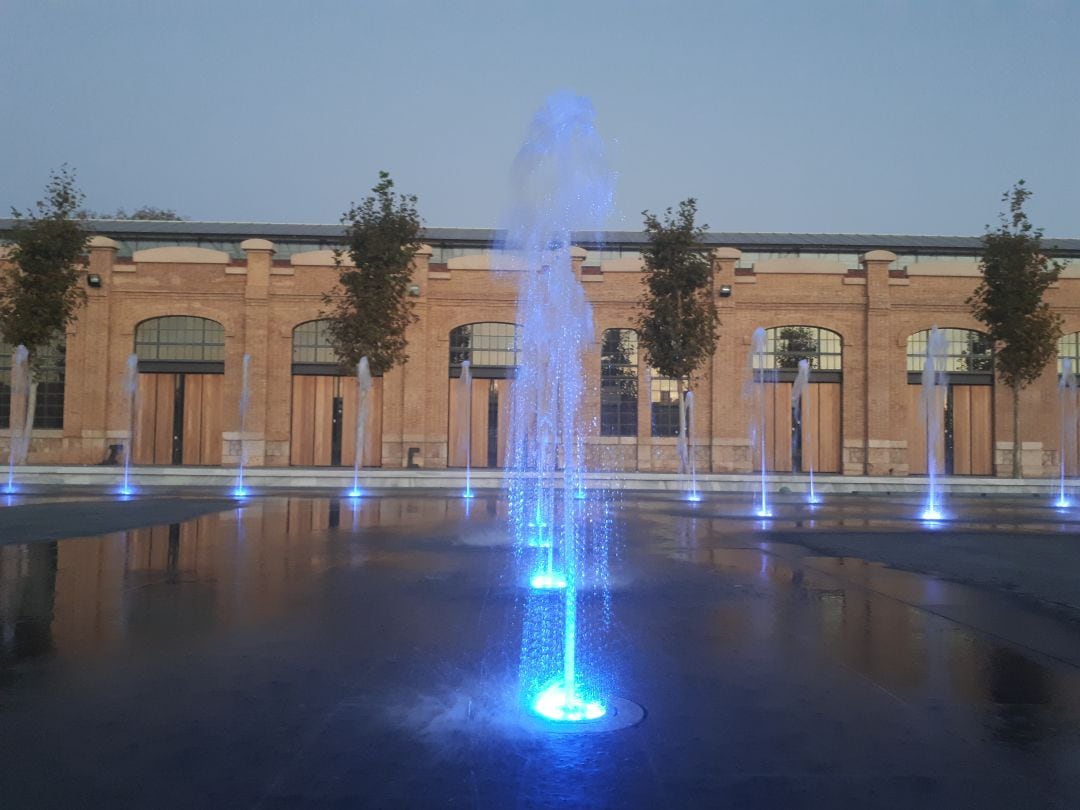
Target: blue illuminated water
1067, 396
239, 490
693, 496
465, 422
560, 184
800, 410
757, 380
932, 411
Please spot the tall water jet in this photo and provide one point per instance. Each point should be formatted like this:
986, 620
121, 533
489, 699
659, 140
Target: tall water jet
465, 423
20, 397
245, 400
561, 183
758, 377
363, 397
691, 462
1067, 394
932, 411
800, 414
130, 388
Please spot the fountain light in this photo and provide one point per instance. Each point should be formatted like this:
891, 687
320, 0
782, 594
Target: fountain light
1063, 502
125, 491
548, 582
813, 499
694, 497
764, 512
554, 704
240, 492
931, 514
355, 493
468, 493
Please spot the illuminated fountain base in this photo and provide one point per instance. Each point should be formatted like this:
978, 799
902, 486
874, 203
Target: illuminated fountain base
553, 712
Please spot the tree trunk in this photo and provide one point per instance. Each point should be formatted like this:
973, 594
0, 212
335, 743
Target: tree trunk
1016, 470
684, 455
28, 425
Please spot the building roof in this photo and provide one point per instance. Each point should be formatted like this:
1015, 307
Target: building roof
152, 230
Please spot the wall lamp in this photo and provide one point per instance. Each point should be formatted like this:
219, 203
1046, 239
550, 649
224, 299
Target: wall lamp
93, 280
414, 290
725, 291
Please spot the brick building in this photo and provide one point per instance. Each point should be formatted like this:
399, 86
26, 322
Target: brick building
191, 299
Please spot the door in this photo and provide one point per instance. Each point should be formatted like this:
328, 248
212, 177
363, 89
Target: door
807, 440
966, 446
324, 412
178, 419
487, 427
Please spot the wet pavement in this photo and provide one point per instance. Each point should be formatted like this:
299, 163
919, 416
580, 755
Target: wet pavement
324, 653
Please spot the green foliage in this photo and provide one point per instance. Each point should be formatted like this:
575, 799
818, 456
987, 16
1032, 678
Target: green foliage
370, 308
145, 212
796, 343
1009, 299
678, 317
40, 295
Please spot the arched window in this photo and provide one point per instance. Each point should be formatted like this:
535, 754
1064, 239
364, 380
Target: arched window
969, 354
1069, 349
312, 351
618, 382
785, 346
493, 349
180, 343
49, 404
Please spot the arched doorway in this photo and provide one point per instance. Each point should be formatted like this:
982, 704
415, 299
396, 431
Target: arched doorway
325, 404
791, 445
492, 351
968, 420
181, 368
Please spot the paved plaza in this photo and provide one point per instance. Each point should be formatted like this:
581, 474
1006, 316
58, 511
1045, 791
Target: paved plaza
325, 652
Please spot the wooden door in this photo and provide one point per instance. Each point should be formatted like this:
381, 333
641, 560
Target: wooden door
972, 429
201, 437
155, 399
821, 434
324, 413
164, 436
488, 425
778, 426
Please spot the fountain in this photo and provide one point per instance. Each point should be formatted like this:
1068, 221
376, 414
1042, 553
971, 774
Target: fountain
755, 391
465, 422
688, 447
130, 388
1067, 391
932, 411
800, 414
20, 393
245, 400
363, 391
561, 183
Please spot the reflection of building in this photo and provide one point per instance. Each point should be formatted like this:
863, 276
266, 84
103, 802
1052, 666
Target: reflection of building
192, 298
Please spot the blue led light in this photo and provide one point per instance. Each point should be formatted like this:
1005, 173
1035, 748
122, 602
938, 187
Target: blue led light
548, 582
553, 704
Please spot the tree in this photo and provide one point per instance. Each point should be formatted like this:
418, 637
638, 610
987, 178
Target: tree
678, 319
370, 308
796, 343
1009, 300
40, 294
145, 212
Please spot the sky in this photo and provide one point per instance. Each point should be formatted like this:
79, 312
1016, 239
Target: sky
869, 116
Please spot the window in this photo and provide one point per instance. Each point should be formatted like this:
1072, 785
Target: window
967, 352
1069, 349
494, 347
664, 393
311, 344
49, 405
180, 338
785, 346
619, 383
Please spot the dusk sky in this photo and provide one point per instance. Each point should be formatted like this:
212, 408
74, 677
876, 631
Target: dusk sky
863, 116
